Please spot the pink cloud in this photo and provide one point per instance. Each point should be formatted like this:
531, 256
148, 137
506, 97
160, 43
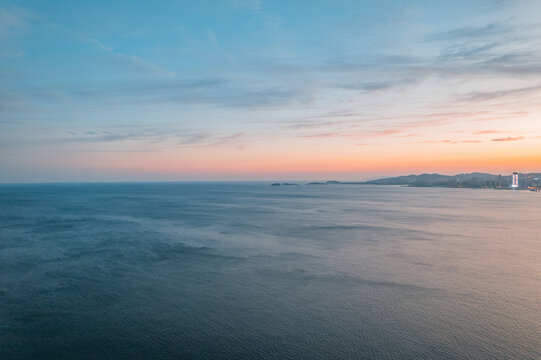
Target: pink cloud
509, 138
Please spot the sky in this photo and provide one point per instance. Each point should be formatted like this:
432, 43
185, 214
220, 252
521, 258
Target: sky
267, 90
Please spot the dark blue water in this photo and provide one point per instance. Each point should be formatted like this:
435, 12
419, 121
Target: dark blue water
246, 271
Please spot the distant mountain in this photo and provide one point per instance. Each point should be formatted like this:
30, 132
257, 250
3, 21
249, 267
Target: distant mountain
473, 180
416, 180
481, 176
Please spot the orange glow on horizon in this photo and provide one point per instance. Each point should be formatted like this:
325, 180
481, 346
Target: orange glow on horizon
248, 164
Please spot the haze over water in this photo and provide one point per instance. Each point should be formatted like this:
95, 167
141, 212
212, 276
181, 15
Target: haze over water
244, 270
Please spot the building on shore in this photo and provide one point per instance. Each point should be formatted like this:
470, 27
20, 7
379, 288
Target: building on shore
514, 184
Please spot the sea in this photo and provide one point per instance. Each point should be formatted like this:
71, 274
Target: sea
251, 271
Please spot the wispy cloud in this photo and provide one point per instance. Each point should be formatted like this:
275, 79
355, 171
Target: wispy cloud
10, 101
517, 138
136, 139
470, 32
213, 140
196, 138
360, 127
374, 86
254, 5
391, 130
490, 95
213, 40
486, 132
214, 91
449, 141
14, 21
132, 61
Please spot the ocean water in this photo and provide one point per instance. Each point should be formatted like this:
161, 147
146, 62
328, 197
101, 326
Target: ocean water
249, 271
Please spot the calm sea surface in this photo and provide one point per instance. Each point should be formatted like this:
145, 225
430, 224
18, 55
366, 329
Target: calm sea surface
249, 271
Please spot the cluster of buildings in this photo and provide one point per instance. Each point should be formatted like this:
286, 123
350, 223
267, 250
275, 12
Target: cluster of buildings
529, 181
525, 181
516, 181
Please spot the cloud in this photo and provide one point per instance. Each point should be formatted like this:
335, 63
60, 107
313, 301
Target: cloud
14, 22
349, 121
468, 51
490, 95
157, 135
375, 85
314, 125
470, 32
486, 132
228, 139
448, 141
465, 56
216, 45
254, 5
126, 60
196, 138
135, 138
209, 91
11, 101
272, 83
326, 135
371, 61
213, 91
472, 60
517, 138
384, 132
394, 126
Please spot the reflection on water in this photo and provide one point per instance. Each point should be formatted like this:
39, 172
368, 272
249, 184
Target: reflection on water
246, 270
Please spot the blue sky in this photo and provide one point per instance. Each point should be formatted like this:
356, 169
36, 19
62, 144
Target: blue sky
248, 89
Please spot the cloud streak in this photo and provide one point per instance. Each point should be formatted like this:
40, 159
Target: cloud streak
495, 29
490, 95
510, 138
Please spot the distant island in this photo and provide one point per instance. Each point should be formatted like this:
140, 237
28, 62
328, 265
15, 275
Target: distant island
531, 181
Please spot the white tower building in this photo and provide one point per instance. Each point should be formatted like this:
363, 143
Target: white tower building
514, 184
